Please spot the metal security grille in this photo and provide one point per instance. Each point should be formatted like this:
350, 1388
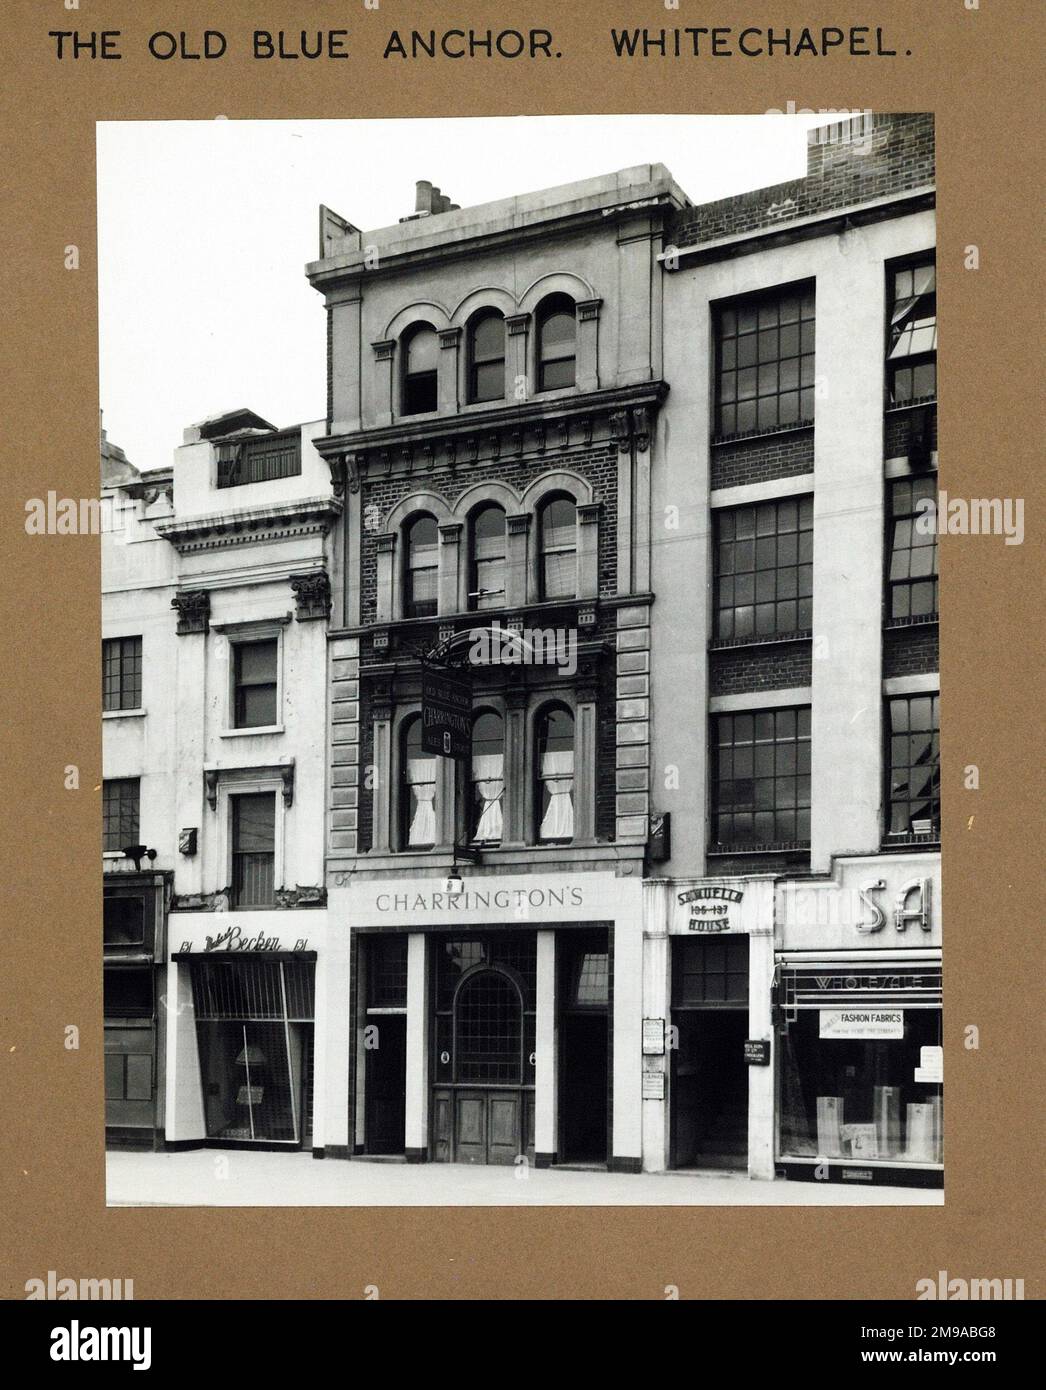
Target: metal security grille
122, 673
252, 989
488, 1030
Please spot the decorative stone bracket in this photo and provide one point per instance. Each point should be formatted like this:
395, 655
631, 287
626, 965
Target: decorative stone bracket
213, 776
312, 593
628, 426
194, 611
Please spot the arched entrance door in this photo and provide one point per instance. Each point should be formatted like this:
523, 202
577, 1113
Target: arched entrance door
484, 1116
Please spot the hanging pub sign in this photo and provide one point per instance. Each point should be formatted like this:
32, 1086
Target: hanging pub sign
446, 712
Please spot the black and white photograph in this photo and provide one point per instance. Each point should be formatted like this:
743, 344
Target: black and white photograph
520, 688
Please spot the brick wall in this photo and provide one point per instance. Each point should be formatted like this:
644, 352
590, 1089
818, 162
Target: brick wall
771, 666
911, 651
762, 459
597, 465
897, 428
897, 155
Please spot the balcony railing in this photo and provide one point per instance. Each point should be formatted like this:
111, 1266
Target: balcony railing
259, 460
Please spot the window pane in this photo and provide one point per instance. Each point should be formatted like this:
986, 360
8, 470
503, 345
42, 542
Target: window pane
488, 381
120, 799
139, 1079
488, 338
422, 351
254, 822
256, 662
557, 334
555, 375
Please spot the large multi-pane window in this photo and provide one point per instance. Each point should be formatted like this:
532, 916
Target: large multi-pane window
487, 557
911, 356
122, 673
254, 684
486, 357
914, 790
912, 561
253, 849
761, 777
421, 568
764, 569
120, 812
765, 361
557, 540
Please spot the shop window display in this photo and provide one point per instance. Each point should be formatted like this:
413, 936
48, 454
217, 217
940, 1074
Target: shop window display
869, 1099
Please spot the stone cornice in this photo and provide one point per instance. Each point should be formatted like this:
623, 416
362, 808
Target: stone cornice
655, 202
219, 530
540, 426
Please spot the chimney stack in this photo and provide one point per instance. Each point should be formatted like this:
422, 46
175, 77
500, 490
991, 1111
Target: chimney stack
429, 200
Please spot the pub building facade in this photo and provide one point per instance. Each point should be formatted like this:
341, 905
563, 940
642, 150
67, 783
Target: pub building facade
612, 838
495, 387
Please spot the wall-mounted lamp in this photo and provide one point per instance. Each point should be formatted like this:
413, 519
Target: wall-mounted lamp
138, 853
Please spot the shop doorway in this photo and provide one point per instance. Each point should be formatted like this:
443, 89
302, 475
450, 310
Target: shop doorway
584, 994
386, 1084
709, 1074
483, 1052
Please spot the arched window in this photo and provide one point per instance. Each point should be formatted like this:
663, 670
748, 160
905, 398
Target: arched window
488, 1029
557, 539
487, 778
486, 357
487, 557
420, 567
557, 335
420, 353
417, 828
555, 774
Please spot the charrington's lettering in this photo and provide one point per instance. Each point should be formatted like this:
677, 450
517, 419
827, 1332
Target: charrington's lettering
476, 898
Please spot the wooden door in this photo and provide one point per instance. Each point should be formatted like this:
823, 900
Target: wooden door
471, 1127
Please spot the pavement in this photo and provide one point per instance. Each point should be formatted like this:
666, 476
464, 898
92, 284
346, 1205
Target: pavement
237, 1178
